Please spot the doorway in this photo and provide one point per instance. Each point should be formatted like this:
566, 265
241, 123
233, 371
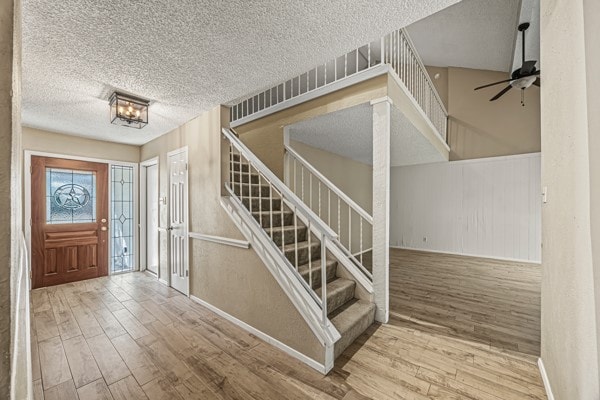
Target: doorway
149, 213
69, 220
178, 219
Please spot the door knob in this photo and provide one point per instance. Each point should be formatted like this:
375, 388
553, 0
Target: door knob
103, 228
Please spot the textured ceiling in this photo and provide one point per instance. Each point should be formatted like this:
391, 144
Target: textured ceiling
185, 56
477, 34
349, 133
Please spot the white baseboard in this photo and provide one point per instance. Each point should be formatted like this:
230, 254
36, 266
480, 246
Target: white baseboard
452, 253
272, 341
164, 282
545, 379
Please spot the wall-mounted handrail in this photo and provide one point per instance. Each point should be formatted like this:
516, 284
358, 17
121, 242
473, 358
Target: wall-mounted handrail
244, 244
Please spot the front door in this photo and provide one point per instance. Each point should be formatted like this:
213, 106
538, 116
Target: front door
178, 220
69, 211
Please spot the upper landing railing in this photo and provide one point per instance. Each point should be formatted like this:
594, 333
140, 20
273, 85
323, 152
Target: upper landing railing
394, 49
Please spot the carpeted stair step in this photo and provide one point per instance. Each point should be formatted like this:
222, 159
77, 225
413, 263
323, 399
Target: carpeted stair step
351, 320
339, 292
266, 204
288, 233
244, 189
303, 252
245, 177
331, 268
264, 218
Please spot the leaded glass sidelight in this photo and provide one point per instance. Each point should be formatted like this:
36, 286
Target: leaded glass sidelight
70, 196
122, 218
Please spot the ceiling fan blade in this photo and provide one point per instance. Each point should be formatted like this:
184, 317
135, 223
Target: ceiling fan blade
537, 82
502, 92
495, 83
528, 67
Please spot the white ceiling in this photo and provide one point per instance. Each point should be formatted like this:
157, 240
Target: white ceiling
185, 56
349, 133
478, 34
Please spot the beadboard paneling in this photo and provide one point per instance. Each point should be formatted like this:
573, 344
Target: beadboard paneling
487, 207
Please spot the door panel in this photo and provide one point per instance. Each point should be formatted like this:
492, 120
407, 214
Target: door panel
178, 224
69, 209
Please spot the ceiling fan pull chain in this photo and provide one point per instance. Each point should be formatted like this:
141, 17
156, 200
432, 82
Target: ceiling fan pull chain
523, 97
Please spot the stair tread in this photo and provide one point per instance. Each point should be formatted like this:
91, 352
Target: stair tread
351, 313
336, 286
303, 245
285, 228
268, 212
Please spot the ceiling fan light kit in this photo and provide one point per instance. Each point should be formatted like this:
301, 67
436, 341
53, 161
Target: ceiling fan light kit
521, 78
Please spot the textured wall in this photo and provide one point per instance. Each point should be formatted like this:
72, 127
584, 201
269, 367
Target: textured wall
51, 142
6, 132
489, 207
569, 346
232, 279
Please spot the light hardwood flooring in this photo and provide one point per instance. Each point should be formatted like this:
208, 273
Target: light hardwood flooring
493, 302
130, 337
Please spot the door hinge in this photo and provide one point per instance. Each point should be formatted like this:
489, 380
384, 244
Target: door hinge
187, 273
31, 169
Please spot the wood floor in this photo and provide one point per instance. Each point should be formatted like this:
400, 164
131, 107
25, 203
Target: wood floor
492, 302
129, 337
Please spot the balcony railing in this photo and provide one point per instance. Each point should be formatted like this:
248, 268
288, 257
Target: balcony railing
394, 49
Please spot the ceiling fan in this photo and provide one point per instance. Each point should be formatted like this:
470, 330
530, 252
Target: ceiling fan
521, 78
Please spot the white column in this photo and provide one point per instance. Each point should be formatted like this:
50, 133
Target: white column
381, 207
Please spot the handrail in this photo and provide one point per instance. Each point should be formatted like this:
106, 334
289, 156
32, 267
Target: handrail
280, 186
244, 244
427, 77
330, 185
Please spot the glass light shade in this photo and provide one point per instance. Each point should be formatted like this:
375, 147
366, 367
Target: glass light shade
129, 111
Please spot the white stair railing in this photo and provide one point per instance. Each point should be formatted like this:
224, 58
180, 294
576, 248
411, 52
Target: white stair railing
301, 215
352, 224
394, 49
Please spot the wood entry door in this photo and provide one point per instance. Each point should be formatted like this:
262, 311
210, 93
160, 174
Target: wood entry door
69, 214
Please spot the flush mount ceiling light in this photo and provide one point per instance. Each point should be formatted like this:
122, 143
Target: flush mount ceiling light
129, 111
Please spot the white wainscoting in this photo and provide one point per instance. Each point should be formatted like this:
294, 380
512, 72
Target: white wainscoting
487, 207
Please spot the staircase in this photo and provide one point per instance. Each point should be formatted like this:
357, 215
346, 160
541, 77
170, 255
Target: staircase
298, 236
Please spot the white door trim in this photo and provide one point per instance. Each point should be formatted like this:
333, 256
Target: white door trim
180, 150
27, 195
142, 212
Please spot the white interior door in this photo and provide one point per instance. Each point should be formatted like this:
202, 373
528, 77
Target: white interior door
152, 218
178, 220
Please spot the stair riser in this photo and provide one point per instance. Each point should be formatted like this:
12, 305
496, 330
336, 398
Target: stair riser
263, 191
349, 337
245, 178
288, 219
304, 254
267, 204
336, 300
289, 236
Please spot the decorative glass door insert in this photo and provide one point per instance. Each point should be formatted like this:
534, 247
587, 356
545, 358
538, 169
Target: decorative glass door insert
122, 219
70, 196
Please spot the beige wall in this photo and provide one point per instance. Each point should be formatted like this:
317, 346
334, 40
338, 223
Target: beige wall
51, 142
480, 128
232, 279
570, 149
591, 14
6, 193
265, 136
